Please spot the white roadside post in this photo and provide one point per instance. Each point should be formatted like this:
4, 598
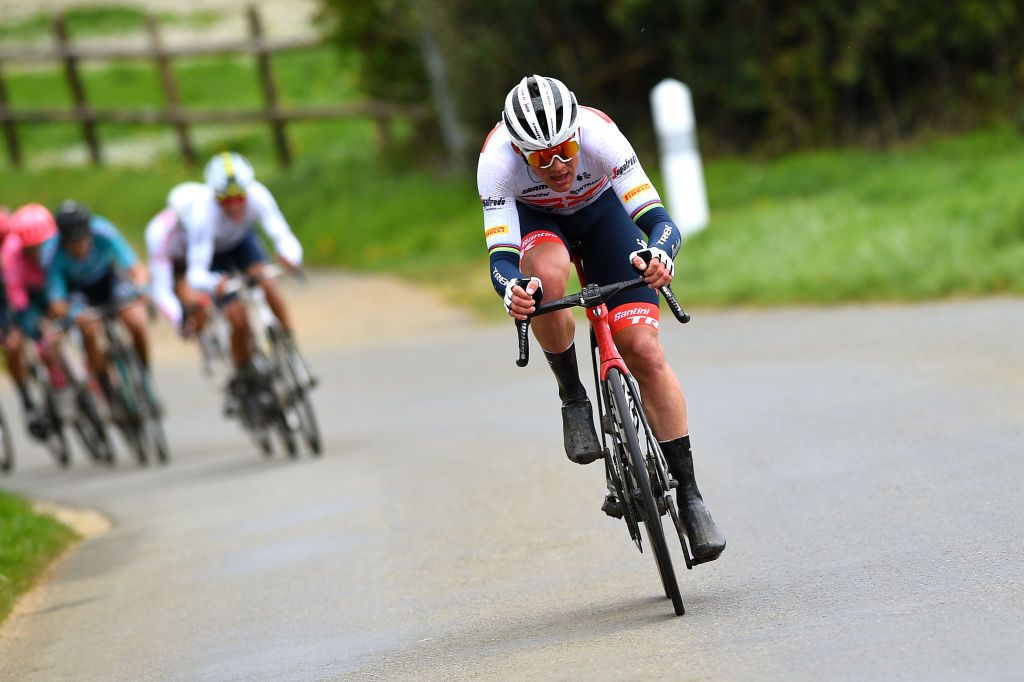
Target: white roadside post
681, 168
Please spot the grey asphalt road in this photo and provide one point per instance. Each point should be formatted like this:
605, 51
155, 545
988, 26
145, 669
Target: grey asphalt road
865, 464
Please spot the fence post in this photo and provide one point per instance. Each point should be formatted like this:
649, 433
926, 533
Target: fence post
172, 100
10, 131
82, 111
272, 105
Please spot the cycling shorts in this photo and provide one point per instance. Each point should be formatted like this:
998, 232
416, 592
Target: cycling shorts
239, 257
108, 289
603, 235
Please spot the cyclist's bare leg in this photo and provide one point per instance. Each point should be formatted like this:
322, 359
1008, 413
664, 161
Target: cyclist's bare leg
550, 262
274, 298
555, 333
666, 410
241, 350
640, 347
90, 329
134, 319
15, 360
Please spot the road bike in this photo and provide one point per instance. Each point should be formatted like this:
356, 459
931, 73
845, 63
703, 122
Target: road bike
282, 403
135, 406
61, 387
637, 475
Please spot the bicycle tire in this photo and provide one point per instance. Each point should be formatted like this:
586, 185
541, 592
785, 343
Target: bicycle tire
623, 412
152, 427
288, 359
90, 428
6, 446
56, 441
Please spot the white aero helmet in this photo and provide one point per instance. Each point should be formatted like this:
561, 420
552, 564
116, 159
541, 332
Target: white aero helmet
181, 196
540, 112
228, 174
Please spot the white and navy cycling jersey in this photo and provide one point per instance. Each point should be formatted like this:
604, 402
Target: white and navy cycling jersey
210, 231
167, 245
607, 162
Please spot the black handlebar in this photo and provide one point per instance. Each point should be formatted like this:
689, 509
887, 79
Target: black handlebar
590, 296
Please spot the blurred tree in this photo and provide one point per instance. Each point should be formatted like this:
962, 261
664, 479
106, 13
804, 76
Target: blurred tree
766, 75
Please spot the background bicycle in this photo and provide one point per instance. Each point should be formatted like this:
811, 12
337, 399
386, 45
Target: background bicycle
282, 405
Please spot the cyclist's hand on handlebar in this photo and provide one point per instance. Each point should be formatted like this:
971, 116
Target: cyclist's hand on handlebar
519, 301
655, 265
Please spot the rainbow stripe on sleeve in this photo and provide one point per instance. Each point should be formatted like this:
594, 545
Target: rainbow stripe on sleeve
644, 208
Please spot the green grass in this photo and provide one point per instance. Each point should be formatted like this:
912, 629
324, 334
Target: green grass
28, 543
99, 21
936, 220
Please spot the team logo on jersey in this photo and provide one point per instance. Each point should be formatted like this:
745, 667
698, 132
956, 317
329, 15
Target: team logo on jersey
497, 229
488, 202
635, 191
535, 188
630, 162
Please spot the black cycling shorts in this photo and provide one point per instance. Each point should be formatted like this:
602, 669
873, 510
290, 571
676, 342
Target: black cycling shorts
602, 234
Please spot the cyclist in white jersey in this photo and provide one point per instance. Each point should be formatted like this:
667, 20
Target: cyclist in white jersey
167, 244
553, 177
222, 240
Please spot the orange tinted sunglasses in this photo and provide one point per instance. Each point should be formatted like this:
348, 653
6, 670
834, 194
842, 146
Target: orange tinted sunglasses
564, 152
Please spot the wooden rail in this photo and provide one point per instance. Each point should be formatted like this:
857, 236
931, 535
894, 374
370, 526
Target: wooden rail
172, 113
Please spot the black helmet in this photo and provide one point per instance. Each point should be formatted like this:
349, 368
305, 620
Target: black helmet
73, 221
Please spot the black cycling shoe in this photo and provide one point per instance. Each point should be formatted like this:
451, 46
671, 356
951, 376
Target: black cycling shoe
581, 443
611, 506
706, 542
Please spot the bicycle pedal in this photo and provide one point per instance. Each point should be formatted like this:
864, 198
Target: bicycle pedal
612, 507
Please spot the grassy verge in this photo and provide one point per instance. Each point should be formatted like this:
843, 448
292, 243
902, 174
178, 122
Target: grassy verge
28, 542
939, 219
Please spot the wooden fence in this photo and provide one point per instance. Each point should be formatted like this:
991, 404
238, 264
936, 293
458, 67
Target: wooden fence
173, 114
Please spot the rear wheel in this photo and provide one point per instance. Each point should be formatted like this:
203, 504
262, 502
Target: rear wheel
627, 418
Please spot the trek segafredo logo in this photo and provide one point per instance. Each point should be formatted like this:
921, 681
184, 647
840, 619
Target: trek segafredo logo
626, 165
488, 202
636, 315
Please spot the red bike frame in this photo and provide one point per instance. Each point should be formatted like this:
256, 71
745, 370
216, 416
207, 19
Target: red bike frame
598, 317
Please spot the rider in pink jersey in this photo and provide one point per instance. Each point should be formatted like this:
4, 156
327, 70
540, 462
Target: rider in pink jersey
553, 177
25, 290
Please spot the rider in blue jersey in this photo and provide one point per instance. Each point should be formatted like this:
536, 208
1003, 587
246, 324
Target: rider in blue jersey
91, 264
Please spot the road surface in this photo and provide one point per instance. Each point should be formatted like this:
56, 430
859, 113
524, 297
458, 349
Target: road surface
865, 464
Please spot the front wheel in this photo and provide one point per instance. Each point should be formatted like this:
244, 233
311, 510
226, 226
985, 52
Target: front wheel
626, 414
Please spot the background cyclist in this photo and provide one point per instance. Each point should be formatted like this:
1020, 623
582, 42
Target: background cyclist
87, 266
222, 239
552, 174
167, 244
25, 290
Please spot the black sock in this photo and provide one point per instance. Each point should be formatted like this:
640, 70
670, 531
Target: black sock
567, 374
679, 457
